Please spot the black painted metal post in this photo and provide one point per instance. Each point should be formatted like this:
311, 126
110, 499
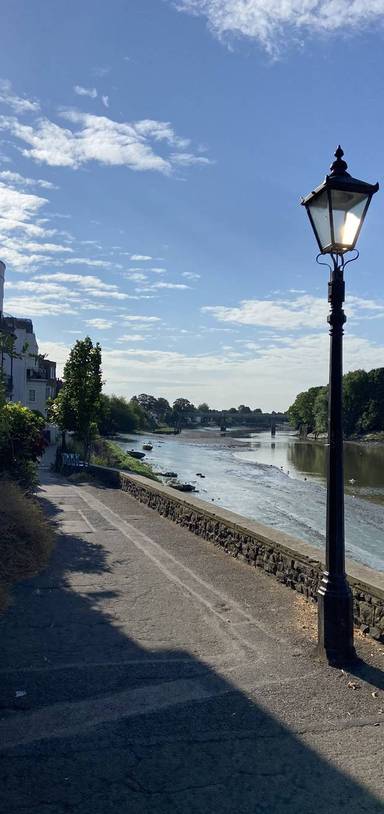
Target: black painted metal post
335, 602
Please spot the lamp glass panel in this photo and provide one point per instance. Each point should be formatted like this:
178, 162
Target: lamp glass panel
319, 211
348, 209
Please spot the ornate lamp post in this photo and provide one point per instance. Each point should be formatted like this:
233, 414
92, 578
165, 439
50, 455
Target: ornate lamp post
336, 210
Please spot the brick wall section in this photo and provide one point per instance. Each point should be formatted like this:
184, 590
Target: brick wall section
291, 561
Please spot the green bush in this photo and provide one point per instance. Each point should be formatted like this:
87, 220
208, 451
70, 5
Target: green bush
21, 443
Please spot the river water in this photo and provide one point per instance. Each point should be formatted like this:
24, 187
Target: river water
279, 482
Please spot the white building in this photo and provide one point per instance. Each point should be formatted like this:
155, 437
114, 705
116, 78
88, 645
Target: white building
29, 378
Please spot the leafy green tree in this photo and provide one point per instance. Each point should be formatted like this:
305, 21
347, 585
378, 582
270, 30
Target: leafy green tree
356, 396
301, 412
117, 415
163, 410
320, 411
203, 408
78, 404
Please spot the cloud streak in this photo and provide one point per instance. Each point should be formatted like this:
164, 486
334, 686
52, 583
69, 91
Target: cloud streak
145, 145
272, 23
305, 311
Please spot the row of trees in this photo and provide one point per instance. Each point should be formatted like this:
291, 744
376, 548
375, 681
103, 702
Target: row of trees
83, 408
363, 400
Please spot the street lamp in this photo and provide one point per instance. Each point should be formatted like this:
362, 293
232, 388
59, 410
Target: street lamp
336, 210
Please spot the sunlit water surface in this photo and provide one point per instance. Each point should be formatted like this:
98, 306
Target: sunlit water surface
280, 482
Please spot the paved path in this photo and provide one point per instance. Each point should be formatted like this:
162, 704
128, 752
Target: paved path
147, 672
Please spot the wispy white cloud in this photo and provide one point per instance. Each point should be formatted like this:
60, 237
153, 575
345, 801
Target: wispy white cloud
101, 139
18, 103
136, 276
100, 324
176, 286
86, 261
83, 280
36, 307
14, 178
105, 101
140, 318
19, 206
140, 257
273, 22
140, 269
91, 92
132, 338
304, 311
190, 275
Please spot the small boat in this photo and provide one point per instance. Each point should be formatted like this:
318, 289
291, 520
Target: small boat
136, 454
148, 447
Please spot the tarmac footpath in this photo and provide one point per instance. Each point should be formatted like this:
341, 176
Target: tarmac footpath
145, 671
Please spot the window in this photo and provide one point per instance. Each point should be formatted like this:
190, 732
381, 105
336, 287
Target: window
32, 395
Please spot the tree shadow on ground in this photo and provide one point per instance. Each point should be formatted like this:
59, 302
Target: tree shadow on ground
108, 726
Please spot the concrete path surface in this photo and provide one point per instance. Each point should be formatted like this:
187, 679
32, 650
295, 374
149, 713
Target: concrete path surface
147, 672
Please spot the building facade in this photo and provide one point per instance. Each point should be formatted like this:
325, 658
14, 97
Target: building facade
29, 378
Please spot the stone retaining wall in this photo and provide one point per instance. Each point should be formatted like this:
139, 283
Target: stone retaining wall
291, 561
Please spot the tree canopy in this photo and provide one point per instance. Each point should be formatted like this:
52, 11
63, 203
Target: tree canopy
363, 401
78, 404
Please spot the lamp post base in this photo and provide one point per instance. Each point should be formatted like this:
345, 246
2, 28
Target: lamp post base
335, 622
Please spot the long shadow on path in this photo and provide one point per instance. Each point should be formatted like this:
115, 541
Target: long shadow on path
107, 726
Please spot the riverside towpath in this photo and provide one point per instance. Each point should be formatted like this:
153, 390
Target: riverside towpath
145, 671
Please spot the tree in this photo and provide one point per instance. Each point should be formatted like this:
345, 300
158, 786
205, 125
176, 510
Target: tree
163, 410
203, 408
117, 415
244, 409
300, 413
356, 396
183, 406
78, 405
148, 403
320, 411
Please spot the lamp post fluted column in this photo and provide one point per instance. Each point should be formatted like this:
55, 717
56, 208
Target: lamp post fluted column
335, 601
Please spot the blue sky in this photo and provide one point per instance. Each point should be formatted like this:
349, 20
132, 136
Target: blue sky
153, 154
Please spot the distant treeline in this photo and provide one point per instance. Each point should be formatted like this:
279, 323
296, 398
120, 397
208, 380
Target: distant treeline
146, 412
363, 399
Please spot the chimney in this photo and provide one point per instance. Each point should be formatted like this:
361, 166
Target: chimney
2, 273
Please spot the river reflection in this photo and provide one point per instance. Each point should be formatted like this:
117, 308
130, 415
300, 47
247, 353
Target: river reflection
363, 465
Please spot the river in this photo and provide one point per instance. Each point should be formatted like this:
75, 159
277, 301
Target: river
279, 482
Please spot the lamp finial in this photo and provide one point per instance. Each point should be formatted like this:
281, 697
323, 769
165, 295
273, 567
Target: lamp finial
339, 167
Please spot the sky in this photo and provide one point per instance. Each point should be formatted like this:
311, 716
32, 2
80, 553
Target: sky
153, 154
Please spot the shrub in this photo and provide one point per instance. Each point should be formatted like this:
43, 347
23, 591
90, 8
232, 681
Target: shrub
26, 538
21, 443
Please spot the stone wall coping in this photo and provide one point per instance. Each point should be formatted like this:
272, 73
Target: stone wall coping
362, 576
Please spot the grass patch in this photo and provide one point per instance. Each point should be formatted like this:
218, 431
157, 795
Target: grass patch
165, 431
107, 453
26, 538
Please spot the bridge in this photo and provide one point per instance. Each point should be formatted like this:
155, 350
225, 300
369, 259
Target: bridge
225, 419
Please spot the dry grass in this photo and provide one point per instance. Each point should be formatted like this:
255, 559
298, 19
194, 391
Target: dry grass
26, 538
